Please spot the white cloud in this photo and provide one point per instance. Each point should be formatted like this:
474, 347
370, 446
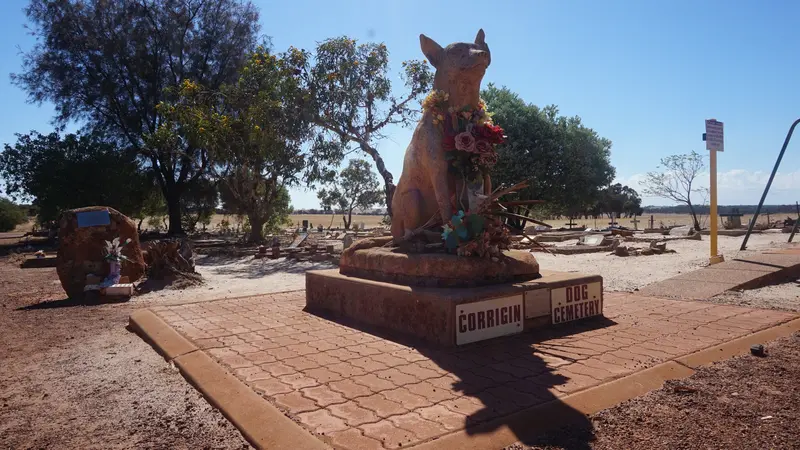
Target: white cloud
735, 186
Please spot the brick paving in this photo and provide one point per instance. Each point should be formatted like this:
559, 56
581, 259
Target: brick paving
357, 390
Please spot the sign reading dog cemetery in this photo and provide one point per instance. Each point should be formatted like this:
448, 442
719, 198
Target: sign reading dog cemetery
576, 302
488, 319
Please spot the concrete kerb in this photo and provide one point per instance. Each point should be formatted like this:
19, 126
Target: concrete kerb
263, 425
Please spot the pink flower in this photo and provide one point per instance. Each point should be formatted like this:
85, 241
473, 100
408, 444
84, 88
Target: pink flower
465, 142
483, 146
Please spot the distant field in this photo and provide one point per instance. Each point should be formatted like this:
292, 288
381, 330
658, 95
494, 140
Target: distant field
644, 221
313, 219
371, 221
670, 219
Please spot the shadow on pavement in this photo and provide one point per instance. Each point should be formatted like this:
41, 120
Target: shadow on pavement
503, 379
257, 268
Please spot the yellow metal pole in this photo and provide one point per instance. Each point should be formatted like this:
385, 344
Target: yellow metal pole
715, 256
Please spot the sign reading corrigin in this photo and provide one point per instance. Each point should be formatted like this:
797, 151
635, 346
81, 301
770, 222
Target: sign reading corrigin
576, 302
488, 319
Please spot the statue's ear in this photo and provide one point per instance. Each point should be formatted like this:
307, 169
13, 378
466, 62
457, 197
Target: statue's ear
480, 39
431, 49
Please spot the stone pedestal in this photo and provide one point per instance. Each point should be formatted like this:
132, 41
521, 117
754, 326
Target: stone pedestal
454, 316
372, 259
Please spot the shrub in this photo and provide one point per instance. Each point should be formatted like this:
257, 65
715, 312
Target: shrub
11, 215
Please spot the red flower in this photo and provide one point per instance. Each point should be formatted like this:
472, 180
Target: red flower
492, 133
448, 142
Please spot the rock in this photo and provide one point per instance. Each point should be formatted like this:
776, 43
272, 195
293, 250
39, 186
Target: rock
81, 248
621, 251
658, 247
646, 252
758, 350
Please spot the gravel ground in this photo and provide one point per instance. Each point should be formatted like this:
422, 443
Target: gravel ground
783, 296
742, 403
228, 277
635, 272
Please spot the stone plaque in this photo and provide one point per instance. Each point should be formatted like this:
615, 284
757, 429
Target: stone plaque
488, 319
93, 218
575, 302
537, 303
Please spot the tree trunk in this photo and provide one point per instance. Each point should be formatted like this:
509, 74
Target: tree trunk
694, 216
256, 228
174, 211
388, 180
347, 219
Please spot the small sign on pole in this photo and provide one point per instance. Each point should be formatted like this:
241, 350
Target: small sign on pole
714, 139
714, 144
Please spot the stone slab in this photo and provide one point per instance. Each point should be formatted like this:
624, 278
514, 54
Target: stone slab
427, 314
39, 263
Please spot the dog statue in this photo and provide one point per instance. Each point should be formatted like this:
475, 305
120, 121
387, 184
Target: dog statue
426, 187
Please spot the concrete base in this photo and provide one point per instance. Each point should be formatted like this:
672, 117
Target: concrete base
455, 316
115, 290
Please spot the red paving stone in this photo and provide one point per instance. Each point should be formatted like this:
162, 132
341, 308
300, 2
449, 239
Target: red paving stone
357, 390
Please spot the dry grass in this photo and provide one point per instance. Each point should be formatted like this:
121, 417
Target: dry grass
315, 219
669, 220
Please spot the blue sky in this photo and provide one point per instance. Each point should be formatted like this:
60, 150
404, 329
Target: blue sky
644, 74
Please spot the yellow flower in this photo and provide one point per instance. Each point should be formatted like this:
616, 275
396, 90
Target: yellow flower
439, 117
355, 63
202, 130
435, 99
257, 128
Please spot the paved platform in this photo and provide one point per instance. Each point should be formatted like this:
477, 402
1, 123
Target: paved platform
770, 267
356, 390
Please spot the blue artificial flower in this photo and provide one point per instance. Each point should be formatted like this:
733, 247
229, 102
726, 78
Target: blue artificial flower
446, 230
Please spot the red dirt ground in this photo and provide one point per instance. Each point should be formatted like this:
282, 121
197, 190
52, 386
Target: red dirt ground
743, 403
74, 377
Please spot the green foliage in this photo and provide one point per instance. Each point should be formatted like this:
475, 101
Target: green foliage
198, 204
109, 63
281, 209
72, 172
255, 130
352, 102
356, 187
11, 215
618, 199
565, 163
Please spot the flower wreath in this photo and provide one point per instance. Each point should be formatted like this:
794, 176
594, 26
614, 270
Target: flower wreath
469, 140
470, 136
